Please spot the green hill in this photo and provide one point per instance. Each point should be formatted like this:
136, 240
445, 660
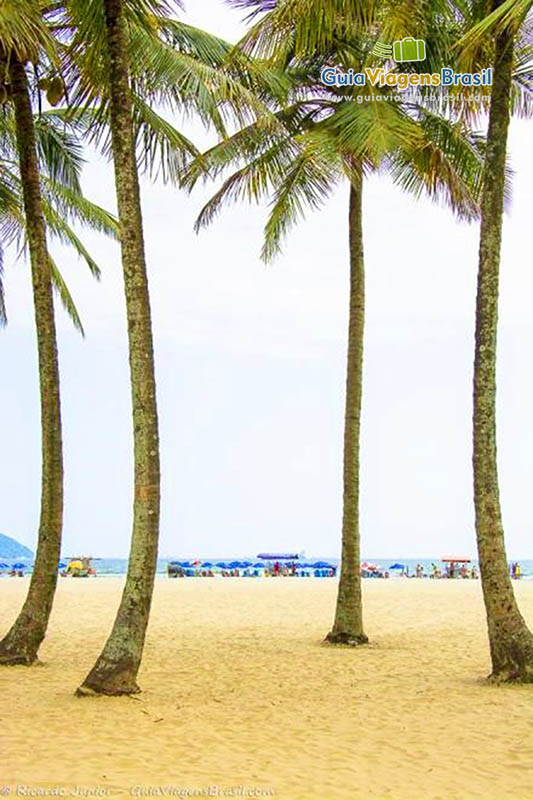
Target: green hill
11, 549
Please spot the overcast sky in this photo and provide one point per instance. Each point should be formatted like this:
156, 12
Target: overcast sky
251, 373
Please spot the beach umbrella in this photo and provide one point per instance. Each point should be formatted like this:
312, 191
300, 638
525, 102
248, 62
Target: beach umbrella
61, 565
234, 564
259, 565
246, 564
18, 566
4, 566
221, 564
397, 566
321, 565
207, 564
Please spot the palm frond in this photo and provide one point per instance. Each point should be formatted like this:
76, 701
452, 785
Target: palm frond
23, 31
247, 143
70, 204
60, 151
161, 148
253, 181
65, 296
3, 313
446, 164
308, 183
310, 25
62, 231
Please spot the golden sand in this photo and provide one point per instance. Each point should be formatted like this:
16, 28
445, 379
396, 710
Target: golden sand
240, 699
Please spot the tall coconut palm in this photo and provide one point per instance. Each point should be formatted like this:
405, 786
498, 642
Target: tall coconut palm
324, 135
42, 190
24, 39
511, 642
22, 642
176, 64
115, 671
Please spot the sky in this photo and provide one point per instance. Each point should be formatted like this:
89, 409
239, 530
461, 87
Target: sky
250, 363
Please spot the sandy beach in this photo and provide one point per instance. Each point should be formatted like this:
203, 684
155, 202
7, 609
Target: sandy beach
240, 699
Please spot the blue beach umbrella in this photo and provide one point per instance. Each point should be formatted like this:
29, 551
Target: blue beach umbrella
321, 565
61, 565
259, 565
207, 564
246, 564
397, 566
234, 565
221, 564
4, 566
18, 566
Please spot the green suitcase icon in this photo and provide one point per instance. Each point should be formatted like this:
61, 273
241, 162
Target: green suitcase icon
409, 49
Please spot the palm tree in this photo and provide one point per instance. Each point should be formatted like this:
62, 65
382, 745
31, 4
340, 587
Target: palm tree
24, 38
511, 642
175, 64
323, 136
44, 190
22, 642
115, 671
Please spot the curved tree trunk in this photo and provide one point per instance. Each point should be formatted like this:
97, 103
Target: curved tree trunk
511, 643
348, 624
21, 643
115, 671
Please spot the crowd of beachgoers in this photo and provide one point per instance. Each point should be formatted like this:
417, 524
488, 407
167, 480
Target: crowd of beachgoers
248, 569
451, 569
82, 567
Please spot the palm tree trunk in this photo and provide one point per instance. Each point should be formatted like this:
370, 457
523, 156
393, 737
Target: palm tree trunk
21, 643
511, 643
115, 671
348, 624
